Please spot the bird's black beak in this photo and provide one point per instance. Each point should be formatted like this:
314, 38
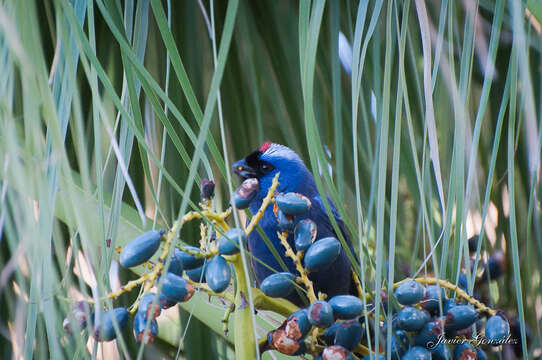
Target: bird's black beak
243, 170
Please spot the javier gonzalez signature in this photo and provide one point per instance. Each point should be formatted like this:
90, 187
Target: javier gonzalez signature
475, 341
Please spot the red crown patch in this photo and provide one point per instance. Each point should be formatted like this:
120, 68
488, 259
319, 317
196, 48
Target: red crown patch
266, 145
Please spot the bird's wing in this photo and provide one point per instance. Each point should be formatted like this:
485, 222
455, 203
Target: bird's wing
319, 215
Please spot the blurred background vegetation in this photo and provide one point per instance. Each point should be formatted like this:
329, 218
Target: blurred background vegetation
424, 122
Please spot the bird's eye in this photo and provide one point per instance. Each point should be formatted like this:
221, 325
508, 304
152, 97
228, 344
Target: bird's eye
265, 167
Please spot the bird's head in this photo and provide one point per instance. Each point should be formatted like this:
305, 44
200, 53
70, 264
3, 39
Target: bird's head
270, 158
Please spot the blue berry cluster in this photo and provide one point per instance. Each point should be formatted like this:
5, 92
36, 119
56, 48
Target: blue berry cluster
423, 327
424, 320
427, 321
174, 289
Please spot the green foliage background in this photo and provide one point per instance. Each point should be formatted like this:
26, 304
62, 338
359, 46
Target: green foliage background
111, 113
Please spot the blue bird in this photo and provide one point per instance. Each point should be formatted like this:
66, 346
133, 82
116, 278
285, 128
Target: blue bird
264, 164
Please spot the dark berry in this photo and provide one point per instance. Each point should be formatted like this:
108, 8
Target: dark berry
293, 203
141, 249
322, 254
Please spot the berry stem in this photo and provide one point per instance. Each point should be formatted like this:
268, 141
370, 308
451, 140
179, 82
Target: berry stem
198, 254
216, 218
205, 288
265, 203
361, 294
460, 292
123, 289
226, 318
203, 236
297, 261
